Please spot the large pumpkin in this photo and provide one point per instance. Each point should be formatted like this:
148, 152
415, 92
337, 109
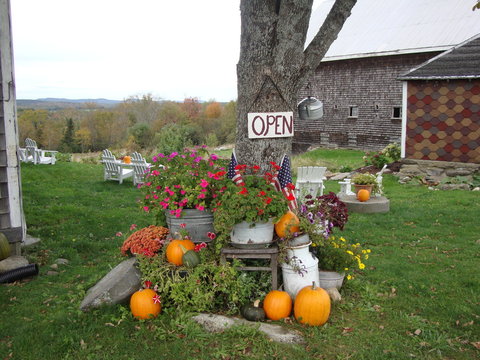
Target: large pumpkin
288, 224
143, 305
176, 249
277, 305
312, 306
5, 249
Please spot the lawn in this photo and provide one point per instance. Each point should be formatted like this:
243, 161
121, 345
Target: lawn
418, 298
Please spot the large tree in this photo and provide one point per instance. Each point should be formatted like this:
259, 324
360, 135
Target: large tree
274, 65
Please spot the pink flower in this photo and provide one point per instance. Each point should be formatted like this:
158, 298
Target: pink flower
155, 196
133, 227
214, 157
211, 235
183, 226
155, 172
201, 196
182, 192
119, 233
199, 247
203, 183
154, 158
178, 212
200, 207
146, 209
156, 299
198, 159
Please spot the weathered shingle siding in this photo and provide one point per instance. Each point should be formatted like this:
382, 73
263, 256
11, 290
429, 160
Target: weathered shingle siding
364, 83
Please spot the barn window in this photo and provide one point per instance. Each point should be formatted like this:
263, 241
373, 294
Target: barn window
397, 112
353, 111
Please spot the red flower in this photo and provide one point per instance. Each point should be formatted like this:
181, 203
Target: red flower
290, 197
147, 284
291, 186
268, 200
156, 299
262, 193
243, 191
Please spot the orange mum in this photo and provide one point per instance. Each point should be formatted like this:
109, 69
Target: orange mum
147, 241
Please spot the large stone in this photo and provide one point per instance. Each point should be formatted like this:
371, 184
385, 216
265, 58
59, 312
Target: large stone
454, 187
376, 204
13, 262
219, 323
115, 288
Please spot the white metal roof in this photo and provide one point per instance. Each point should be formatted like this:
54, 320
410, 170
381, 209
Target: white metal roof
388, 27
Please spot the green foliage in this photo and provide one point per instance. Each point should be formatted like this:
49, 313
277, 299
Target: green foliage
211, 140
174, 137
393, 151
209, 286
142, 134
378, 159
60, 156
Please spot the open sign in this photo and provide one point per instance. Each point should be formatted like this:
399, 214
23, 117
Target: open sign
270, 125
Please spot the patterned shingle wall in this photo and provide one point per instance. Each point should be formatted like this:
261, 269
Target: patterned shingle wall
443, 120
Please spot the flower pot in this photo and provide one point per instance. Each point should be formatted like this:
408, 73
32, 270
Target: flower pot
300, 269
357, 188
331, 279
299, 240
256, 235
197, 223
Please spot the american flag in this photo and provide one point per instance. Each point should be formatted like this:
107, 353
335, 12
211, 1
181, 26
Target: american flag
285, 182
233, 173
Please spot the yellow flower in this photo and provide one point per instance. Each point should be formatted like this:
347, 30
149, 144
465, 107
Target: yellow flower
361, 266
349, 277
369, 251
346, 269
366, 257
313, 245
349, 252
342, 239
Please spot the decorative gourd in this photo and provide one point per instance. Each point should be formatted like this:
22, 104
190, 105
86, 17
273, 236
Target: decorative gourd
5, 249
312, 306
277, 305
191, 258
127, 159
288, 223
253, 312
175, 252
363, 195
143, 305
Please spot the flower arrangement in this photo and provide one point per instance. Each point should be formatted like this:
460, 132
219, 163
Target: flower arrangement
253, 200
366, 179
390, 153
147, 241
339, 255
188, 180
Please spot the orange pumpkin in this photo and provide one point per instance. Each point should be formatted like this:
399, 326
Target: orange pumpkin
175, 251
363, 195
288, 223
127, 159
143, 306
312, 306
277, 305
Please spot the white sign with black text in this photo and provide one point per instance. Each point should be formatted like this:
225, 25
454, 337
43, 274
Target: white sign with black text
270, 125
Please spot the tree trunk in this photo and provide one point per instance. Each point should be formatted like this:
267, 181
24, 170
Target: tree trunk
274, 65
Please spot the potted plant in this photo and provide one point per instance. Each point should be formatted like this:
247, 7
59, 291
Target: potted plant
245, 206
181, 187
337, 258
365, 181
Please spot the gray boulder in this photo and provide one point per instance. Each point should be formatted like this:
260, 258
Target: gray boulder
115, 288
13, 262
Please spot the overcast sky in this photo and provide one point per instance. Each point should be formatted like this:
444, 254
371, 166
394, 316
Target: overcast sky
115, 49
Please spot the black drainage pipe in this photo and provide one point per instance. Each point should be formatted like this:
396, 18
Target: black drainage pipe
19, 273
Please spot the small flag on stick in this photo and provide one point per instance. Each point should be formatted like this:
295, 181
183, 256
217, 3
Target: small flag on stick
285, 182
234, 173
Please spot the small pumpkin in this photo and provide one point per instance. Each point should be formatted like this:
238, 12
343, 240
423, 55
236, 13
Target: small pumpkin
143, 305
312, 306
127, 159
191, 258
5, 249
287, 224
363, 195
277, 305
253, 312
175, 251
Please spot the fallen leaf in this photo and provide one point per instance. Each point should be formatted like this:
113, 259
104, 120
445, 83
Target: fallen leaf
476, 344
110, 324
417, 332
381, 327
347, 330
468, 323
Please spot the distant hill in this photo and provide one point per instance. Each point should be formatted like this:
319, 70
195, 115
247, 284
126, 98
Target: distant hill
60, 103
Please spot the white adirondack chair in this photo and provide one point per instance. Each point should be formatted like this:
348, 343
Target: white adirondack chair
380, 181
24, 156
39, 155
113, 170
310, 181
140, 168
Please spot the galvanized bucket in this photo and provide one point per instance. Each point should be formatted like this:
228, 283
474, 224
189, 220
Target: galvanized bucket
197, 223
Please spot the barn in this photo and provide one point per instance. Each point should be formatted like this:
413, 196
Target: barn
357, 81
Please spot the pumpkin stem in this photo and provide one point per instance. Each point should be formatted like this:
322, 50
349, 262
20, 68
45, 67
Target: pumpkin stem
256, 303
184, 250
313, 285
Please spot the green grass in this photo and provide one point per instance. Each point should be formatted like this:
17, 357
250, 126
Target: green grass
418, 298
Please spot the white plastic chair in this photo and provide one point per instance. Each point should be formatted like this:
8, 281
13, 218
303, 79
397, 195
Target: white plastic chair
310, 181
113, 170
379, 176
39, 156
24, 156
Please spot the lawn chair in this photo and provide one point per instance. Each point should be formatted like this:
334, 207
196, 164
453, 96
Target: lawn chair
24, 156
140, 168
113, 169
379, 176
39, 156
310, 181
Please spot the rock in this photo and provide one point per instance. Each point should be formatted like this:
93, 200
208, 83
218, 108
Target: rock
334, 294
339, 176
476, 189
54, 266
30, 240
12, 262
115, 288
459, 172
52, 273
61, 261
454, 187
219, 323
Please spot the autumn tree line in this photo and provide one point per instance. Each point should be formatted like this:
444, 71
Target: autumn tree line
137, 123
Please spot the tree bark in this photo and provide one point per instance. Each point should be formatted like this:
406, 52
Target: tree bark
273, 65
